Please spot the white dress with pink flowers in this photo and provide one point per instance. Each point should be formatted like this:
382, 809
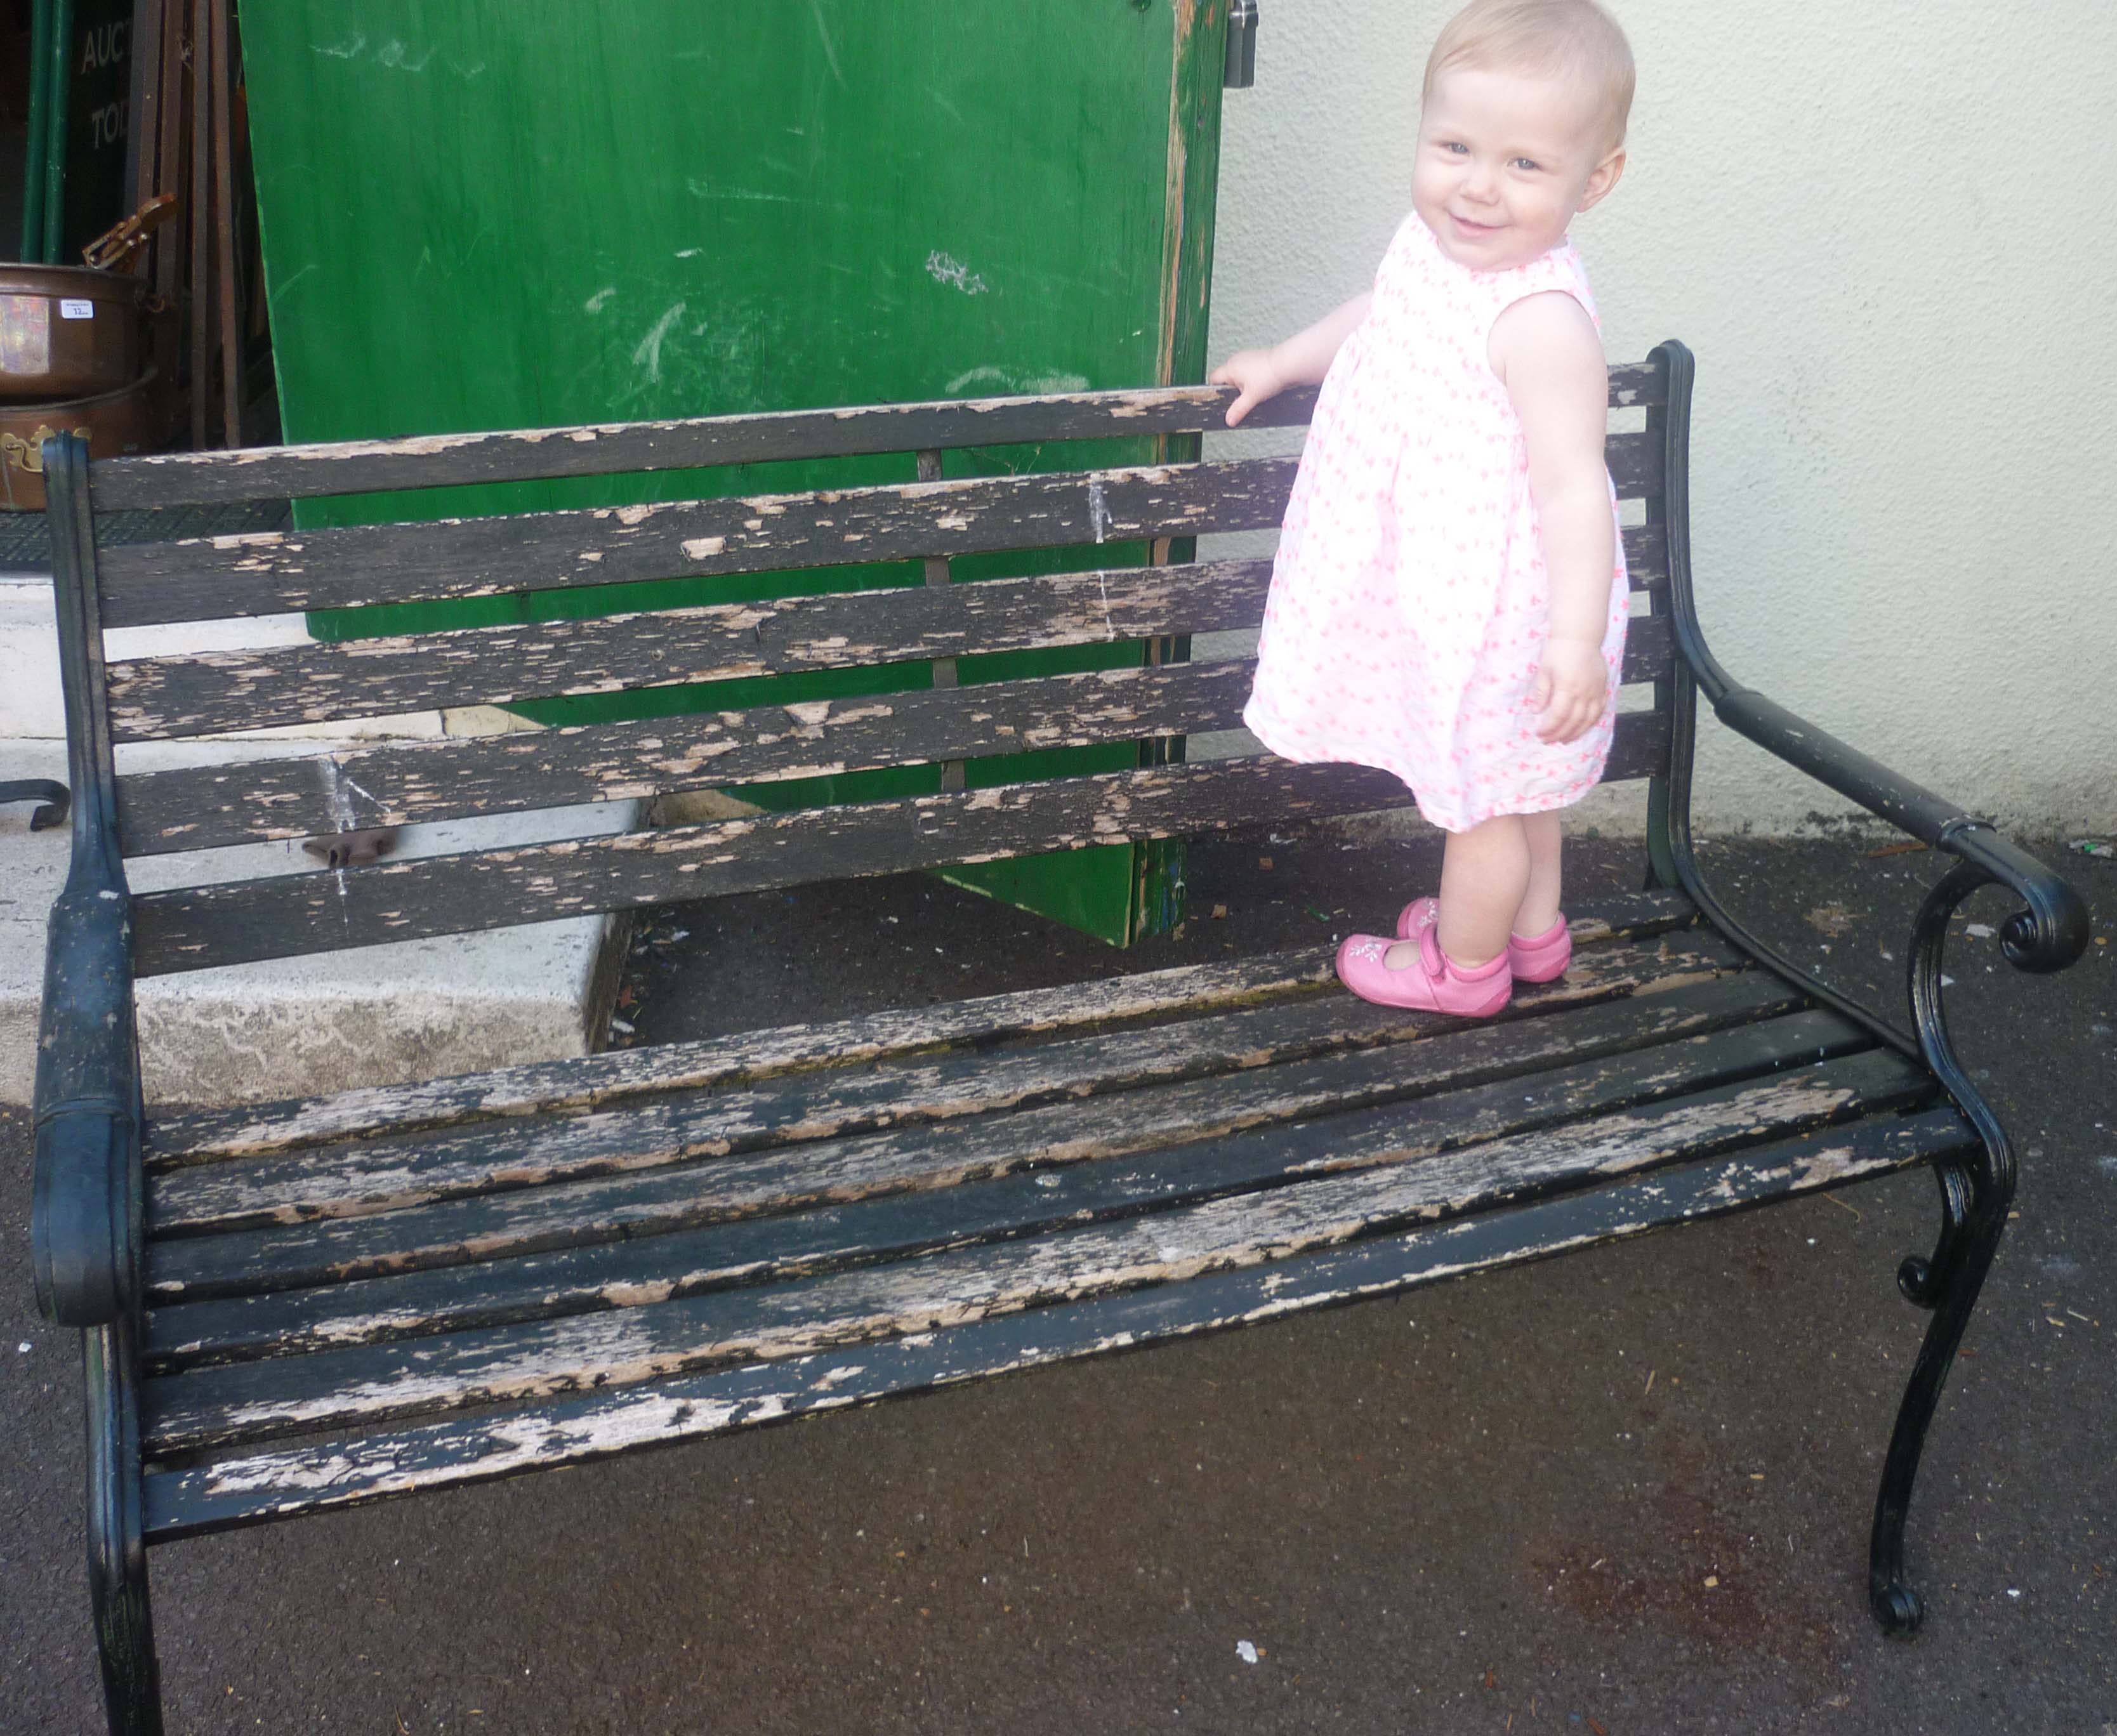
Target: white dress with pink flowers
1410, 604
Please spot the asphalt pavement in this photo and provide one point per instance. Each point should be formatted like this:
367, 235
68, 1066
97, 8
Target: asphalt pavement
1624, 1492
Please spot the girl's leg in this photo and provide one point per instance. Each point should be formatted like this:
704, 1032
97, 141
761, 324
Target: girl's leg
1484, 875
1539, 910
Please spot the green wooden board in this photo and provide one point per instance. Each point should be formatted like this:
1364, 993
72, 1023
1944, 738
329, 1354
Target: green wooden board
521, 213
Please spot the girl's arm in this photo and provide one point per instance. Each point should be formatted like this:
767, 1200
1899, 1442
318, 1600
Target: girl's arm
1546, 350
1302, 359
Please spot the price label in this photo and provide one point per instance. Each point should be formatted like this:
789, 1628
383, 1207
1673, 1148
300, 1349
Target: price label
70, 309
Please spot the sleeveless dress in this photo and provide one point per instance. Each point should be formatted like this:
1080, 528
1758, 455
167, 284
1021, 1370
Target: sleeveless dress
1409, 602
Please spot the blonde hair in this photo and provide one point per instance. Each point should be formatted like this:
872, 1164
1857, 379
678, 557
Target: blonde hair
1569, 38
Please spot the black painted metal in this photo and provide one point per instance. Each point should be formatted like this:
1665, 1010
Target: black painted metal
1662, 873
117, 1538
54, 798
2050, 933
1697, 668
1977, 1187
86, 1220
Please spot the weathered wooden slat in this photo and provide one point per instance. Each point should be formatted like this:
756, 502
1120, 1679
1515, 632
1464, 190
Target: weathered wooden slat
641, 1202
208, 692
526, 455
1646, 556
254, 1129
213, 691
390, 1175
462, 1451
203, 806
615, 449
942, 1205
278, 572
329, 1390
194, 927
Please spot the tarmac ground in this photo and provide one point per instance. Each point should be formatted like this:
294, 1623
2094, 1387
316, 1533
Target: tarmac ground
1624, 1492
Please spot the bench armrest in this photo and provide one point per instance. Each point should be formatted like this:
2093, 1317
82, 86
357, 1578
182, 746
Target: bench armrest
84, 1226
2047, 934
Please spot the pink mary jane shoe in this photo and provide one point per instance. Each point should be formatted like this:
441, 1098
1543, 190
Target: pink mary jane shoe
1542, 959
1432, 980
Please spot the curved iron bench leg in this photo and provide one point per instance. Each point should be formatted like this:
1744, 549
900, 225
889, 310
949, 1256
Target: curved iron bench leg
1975, 1198
117, 1539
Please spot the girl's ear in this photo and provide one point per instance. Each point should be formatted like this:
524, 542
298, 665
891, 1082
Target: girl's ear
1606, 175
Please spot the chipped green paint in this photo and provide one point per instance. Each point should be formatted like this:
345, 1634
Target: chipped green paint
653, 210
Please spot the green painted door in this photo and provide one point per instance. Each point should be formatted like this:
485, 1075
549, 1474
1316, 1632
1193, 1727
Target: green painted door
517, 213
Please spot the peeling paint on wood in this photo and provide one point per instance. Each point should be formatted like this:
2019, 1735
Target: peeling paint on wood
211, 692
387, 1175
537, 455
199, 808
275, 571
270, 572
193, 928
336, 1388
283, 1484
551, 1251
248, 1130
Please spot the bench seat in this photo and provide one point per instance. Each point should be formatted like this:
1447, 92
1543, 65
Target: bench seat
713, 1235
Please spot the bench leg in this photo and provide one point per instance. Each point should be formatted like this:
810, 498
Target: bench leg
1975, 1197
117, 1546
1974, 1215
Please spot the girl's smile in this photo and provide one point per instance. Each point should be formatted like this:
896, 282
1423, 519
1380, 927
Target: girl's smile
1505, 160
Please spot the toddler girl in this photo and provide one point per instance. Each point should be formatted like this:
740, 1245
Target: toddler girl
1448, 601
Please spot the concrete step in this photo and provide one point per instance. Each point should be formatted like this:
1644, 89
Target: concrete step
331, 1021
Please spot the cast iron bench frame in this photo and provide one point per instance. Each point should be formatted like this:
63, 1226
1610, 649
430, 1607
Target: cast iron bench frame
109, 1178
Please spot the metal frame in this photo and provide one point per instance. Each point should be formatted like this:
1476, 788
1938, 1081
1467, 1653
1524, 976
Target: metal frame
86, 1219
2047, 934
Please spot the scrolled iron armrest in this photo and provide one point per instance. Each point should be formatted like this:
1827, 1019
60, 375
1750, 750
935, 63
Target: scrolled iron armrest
2047, 934
2051, 931
85, 1216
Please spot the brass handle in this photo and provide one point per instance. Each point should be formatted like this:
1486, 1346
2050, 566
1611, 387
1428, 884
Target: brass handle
28, 454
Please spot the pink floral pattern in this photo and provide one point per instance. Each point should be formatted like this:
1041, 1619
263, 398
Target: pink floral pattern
1409, 603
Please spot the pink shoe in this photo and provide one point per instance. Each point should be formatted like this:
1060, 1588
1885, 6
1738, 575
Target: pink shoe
1432, 980
1542, 959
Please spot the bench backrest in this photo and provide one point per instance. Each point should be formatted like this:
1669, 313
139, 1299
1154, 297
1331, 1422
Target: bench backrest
918, 625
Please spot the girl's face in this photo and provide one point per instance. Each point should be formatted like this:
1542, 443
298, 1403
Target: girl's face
1505, 160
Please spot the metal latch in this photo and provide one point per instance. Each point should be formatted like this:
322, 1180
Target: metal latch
1242, 45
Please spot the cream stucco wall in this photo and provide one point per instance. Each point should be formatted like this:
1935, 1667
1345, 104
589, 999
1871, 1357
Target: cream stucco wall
1889, 231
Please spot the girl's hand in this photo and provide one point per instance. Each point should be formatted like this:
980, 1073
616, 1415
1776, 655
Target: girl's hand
1569, 691
1258, 376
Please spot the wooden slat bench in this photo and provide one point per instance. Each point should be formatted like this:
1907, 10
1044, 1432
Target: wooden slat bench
310, 1305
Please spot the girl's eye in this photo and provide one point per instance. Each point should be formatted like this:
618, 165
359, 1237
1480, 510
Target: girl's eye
1456, 149
1524, 163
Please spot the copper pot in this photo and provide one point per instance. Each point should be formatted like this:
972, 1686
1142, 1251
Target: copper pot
67, 332
135, 418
